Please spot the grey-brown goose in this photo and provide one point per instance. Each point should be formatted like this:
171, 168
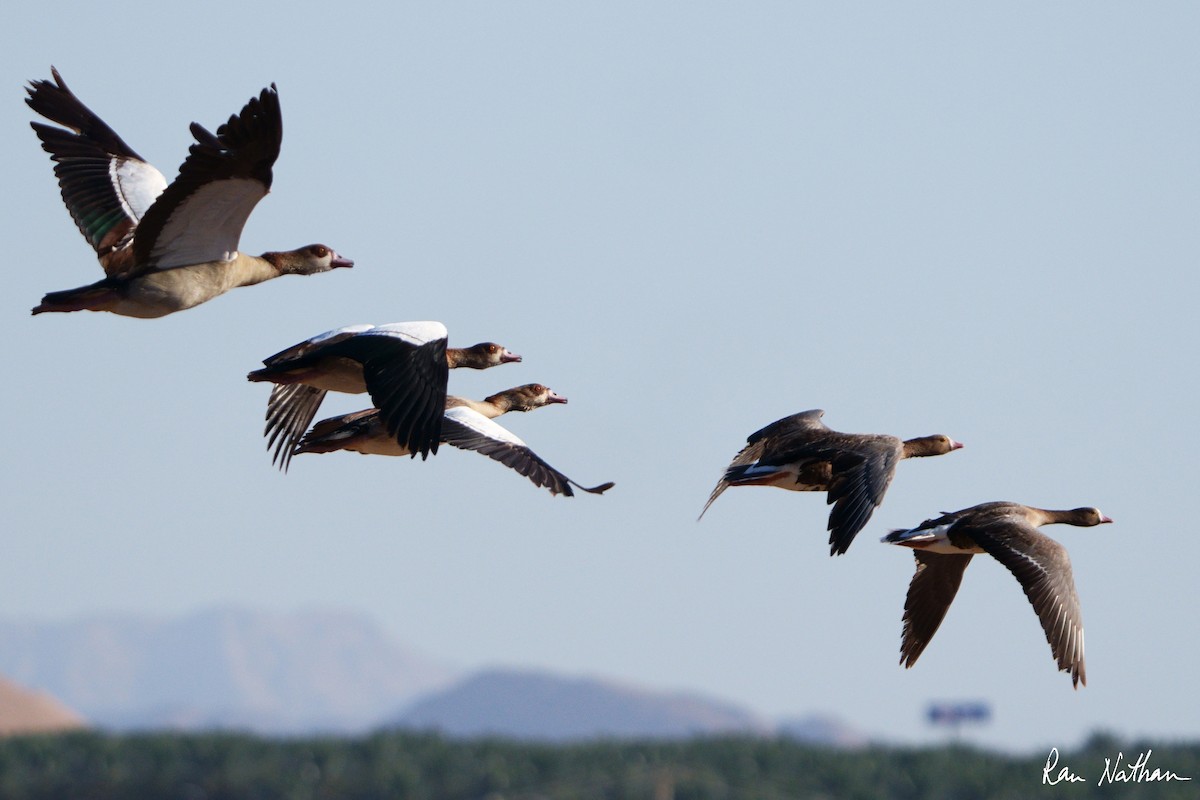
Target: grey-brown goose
165, 248
402, 365
467, 424
801, 454
1009, 533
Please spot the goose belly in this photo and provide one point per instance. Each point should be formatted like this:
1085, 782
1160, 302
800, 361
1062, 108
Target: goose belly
377, 446
163, 292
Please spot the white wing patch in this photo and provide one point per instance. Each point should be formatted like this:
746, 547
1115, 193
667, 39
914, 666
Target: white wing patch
137, 185
208, 224
477, 422
349, 330
417, 333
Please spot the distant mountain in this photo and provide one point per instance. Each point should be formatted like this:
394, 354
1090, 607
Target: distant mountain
536, 705
328, 672
272, 673
24, 711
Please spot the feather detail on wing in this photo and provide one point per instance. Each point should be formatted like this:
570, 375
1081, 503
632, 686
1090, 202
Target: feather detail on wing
469, 430
200, 216
1028, 554
105, 185
858, 484
930, 594
290, 409
406, 381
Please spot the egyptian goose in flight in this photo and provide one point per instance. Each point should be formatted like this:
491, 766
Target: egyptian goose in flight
165, 248
1009, 533
801, 454
467, 424
402, 365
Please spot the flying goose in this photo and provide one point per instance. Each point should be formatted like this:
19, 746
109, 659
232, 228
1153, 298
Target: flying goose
1009, 533
801, 454
467, 424
165, 248
403, 365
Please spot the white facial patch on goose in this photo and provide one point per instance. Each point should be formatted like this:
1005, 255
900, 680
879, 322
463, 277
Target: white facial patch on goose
208, 224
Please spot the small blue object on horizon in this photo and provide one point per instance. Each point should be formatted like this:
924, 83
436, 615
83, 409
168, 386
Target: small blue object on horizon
958, 713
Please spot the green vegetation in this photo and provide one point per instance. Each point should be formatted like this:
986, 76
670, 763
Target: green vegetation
228, 766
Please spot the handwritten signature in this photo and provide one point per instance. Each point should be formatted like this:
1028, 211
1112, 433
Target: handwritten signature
1137, 771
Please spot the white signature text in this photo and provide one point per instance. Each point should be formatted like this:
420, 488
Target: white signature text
1115, 771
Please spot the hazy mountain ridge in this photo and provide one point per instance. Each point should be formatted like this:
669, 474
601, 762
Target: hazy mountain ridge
537, 705
334, 672
279, 673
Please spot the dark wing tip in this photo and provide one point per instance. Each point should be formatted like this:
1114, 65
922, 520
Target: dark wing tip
424, 452
204, 136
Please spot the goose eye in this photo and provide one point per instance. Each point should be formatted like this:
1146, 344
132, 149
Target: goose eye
492, 348
320, 251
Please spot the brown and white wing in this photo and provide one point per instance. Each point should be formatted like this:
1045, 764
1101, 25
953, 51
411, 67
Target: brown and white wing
313, 346
469, 430
200, 216
405, 369
930, 594
105, 185
1043, 568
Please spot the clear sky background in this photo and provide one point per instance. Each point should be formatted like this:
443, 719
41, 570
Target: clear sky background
691, 219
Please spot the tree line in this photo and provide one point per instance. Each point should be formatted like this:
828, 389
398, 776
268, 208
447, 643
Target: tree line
232, 766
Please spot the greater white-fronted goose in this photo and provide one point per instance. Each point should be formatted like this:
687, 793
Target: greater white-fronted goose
403, 365
165, 248
1009, 533
467, 425
801, 454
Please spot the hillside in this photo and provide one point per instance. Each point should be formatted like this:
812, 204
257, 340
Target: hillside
233, 668
334, 672
24, 711
538, 705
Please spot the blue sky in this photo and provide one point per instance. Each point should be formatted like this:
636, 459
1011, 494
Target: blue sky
691, 220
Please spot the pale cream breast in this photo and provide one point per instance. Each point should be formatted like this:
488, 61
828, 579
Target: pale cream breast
161, 292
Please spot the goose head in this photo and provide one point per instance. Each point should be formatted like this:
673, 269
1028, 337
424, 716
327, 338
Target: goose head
930, 446
1085, 517
307, 260
481, 356
527, 397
